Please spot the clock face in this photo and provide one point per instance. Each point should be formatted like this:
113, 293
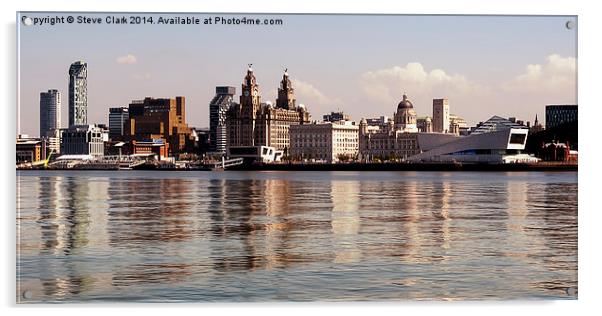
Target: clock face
247, 93
255, 93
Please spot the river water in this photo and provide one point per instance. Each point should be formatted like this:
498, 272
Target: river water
295, 236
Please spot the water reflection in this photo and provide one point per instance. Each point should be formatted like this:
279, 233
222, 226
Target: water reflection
345, 196
63, 224
148, 211
231, 236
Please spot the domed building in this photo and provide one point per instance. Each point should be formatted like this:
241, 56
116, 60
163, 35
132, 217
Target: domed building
393, 140
405, 117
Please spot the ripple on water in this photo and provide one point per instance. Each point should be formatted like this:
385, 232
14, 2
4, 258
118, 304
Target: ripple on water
299, 236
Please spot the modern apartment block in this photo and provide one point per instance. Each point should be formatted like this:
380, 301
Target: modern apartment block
78, 93
218, 109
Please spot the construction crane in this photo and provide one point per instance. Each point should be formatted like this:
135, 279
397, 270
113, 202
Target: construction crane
43, 162
48, 158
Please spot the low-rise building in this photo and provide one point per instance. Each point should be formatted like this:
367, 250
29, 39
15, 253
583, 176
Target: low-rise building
336, 116
457, 125
83, 140
30, 149
329, 142
424, 124
496, 140
158, 147
53, 141
380, 122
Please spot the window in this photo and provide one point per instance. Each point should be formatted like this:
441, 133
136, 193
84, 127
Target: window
517, 138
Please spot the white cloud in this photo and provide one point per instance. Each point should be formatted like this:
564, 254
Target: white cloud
556, 74
385, 87
318, 102
127, 59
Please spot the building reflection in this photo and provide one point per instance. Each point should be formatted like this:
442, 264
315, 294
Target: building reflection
345, 221
519, 240
553, 213
252, 226
233, 206
146, 217
77, 215
64, 221
412, 224
51, 221
277, 195
143, 211
440, 204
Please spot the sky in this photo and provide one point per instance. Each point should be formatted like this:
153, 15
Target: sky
511, 66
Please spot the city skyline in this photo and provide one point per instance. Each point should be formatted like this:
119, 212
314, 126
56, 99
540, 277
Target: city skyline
512, 75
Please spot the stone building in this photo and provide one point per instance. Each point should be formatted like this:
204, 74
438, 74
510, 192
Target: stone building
396, 140
424, 124
405, 117
441, 115
329, 142
251, 123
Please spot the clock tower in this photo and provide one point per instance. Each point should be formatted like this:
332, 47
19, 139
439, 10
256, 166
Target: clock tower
250, 99
286, 93
249, 110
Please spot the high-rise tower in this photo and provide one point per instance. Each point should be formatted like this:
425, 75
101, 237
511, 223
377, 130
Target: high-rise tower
50, 113
218, 108
78, 93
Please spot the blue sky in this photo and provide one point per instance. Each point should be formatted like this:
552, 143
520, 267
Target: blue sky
361, 64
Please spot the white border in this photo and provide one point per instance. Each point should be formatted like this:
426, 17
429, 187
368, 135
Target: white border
590, 104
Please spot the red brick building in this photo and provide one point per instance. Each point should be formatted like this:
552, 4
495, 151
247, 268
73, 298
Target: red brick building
151, 119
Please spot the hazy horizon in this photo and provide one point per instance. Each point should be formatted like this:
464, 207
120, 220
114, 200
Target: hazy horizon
360, 64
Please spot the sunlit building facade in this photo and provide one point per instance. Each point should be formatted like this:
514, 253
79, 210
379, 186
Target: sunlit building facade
251, 123
329, 142
395, 140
